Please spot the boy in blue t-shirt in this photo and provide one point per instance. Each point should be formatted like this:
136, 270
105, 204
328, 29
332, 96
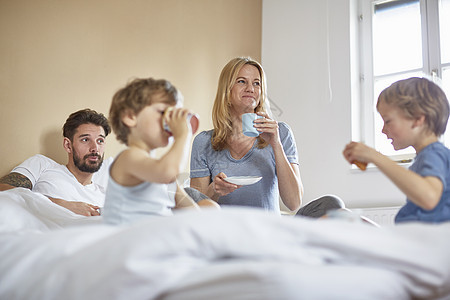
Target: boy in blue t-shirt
415, 112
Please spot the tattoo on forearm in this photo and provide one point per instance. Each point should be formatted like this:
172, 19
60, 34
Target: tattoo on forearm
17, 180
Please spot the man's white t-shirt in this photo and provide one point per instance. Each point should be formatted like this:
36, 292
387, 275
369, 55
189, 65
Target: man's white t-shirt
55, 180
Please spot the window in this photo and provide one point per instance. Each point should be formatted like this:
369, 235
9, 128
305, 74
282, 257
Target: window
400, 39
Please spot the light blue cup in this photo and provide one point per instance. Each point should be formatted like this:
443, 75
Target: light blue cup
247, 124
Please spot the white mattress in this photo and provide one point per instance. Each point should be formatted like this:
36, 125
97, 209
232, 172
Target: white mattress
50, 253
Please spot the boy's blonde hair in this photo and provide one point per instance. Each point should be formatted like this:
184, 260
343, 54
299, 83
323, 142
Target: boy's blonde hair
221, 109
134, 97
416, 97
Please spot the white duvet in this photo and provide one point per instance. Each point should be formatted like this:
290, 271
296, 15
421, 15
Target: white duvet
47, 252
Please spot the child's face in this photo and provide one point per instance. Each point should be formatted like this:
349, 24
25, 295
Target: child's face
401, 130
149, 128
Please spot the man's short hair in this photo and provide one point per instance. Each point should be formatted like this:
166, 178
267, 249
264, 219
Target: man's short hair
84, 116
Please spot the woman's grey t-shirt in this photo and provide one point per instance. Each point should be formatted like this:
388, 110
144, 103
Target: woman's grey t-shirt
205, 161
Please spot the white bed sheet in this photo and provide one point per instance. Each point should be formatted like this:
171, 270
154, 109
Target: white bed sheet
50, 253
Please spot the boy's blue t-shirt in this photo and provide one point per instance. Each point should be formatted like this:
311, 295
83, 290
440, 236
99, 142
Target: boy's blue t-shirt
205, 161
433, 160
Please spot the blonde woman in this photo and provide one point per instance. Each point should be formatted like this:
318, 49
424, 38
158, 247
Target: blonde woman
225, 151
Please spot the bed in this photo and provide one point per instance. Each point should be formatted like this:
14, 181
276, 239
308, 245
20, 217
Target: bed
47, 252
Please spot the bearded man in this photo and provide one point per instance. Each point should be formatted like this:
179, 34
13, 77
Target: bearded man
72, 186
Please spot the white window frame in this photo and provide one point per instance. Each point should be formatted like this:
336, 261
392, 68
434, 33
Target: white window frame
431, 64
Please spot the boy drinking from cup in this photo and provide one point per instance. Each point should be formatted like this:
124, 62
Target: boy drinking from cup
140, 185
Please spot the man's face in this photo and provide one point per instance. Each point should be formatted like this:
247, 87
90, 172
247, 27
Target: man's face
88, 147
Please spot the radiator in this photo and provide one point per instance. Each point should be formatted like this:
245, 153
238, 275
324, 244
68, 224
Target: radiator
384, 216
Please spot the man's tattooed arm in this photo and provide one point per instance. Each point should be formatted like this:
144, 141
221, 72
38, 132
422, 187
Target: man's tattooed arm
13, 180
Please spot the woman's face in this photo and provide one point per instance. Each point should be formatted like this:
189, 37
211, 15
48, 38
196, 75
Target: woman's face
246, 91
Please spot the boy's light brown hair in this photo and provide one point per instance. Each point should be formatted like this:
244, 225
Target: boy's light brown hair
418, 97
134, 97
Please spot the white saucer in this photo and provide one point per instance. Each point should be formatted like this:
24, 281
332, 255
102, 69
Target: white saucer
243, 180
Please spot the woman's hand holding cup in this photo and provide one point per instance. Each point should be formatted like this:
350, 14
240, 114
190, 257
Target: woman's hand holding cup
248, 127
263, 125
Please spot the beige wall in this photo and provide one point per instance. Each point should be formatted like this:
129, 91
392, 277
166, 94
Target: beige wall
60, 56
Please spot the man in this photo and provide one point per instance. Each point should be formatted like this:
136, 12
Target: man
74, 185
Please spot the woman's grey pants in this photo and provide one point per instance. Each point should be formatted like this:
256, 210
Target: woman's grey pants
315, 209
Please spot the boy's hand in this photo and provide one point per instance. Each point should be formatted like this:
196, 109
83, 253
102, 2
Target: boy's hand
358, 152
176, 119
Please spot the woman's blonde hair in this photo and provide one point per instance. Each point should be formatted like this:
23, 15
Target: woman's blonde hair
418, 97
134, 97
221, 116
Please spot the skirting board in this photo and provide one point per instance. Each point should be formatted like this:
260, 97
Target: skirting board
384, 216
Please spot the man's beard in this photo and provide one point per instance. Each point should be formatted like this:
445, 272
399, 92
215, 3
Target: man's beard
86, 165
